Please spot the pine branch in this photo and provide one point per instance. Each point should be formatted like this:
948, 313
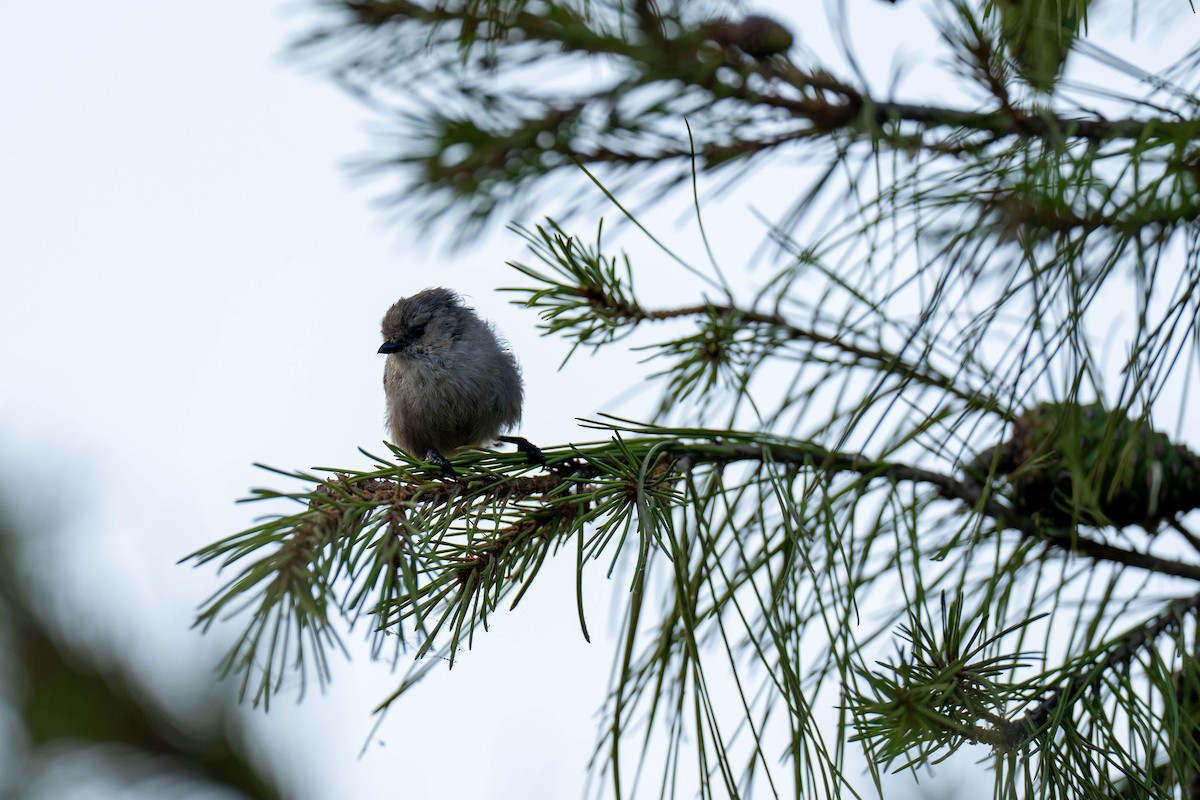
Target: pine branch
877, 358
948, 487
852, 111
717, 451
1091, 674
339, 510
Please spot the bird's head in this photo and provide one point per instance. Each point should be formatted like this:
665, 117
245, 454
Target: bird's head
426, 323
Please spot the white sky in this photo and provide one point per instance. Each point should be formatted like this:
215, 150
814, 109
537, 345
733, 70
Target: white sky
192, 284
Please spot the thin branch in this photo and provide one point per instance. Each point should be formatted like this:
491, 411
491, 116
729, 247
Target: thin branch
664, 58
1128, 646
1190, 537
970, 495
719, 452
890, 362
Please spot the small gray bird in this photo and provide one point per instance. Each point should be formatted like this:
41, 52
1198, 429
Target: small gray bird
449, 381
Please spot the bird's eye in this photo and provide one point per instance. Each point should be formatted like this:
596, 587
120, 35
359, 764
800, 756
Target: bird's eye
417, 331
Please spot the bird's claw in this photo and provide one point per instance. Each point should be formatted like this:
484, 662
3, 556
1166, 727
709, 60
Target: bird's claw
439, 460
532, 453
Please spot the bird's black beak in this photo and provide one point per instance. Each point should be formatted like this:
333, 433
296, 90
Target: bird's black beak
391, 347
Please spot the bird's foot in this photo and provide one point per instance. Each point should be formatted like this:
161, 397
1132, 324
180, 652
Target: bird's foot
439, 460
532, 454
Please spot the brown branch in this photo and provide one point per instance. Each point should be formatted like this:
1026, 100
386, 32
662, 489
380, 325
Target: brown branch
1018, 213
967, 493
987, 63
1003, 735
1085, 678
891, 362
666, 58
719, 452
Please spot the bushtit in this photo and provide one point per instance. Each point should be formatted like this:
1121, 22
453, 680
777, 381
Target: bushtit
449, 382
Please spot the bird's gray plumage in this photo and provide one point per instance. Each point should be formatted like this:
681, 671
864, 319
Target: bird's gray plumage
450, 382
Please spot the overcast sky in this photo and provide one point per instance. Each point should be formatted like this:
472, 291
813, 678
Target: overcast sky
192, 283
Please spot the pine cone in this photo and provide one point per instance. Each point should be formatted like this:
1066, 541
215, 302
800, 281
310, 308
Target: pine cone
1081, 463
757, 36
